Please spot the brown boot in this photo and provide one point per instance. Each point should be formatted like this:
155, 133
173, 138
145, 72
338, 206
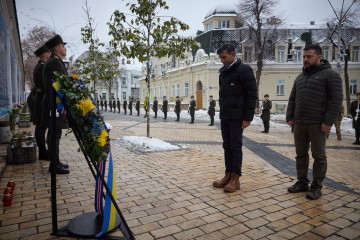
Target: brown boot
234, 183
222, 183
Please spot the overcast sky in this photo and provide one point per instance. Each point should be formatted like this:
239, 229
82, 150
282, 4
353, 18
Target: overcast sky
67, 16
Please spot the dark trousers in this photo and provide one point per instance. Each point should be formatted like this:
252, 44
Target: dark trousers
58, 133
231, 132
212, 119
177, 115
357, 134
165, 115
303, 136
155, 114
40, 139
266, 126
192, 117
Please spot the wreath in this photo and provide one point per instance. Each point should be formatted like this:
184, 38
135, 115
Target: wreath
89, 122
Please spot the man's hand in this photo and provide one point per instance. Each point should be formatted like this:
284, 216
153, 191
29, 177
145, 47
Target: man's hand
290, 123
245, 124
325, 128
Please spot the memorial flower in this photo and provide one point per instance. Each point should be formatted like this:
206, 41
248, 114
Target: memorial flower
90, 125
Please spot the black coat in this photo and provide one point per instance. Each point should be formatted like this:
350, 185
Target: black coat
155, 106
178, 106
266, 107
137, 105
130, 105
192, 106
212, 106
165, 106
316, 96
53, 64
124, 104
238, 92
39, 90
352, 111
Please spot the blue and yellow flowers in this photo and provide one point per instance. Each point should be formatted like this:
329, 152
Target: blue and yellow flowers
87, 119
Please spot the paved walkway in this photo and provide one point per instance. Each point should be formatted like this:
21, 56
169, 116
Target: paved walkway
168, 195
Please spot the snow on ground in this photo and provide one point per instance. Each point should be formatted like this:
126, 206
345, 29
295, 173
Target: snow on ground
277, 121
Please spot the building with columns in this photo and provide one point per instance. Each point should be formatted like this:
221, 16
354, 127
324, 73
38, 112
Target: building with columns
197, 74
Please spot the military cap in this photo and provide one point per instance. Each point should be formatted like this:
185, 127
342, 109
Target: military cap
41, 50
52, 42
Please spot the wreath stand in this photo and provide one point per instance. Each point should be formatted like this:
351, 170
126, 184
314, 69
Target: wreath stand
86, 225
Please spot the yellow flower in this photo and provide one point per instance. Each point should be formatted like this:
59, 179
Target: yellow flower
85, 106
102, 138
74, 76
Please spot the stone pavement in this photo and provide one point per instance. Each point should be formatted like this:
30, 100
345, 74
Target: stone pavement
168, 195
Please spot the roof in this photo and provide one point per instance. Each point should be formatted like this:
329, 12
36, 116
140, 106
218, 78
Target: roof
223, 8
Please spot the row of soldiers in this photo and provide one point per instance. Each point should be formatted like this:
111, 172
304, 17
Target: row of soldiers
116, 104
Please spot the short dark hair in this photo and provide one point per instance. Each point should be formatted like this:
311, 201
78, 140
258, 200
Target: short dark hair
266, 95
211, 95
358, 93
226, 47
315, 47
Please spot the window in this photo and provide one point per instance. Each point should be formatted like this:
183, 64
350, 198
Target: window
103, 95
298, 54
223, 24
178, 90
325, 53
281, 54
166, 91
112, 96
123, 81
154, 93
210, 26
280, 87
186, 89
124, 95
356, 54
353, 86
172, 90
248, 54
160, 92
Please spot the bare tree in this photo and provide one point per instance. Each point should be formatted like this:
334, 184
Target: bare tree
258, 16
344, 17
34, 39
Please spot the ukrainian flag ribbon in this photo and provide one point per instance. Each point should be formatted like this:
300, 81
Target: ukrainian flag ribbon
109, 217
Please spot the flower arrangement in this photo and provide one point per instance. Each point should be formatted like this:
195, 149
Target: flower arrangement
19, 138
89, 122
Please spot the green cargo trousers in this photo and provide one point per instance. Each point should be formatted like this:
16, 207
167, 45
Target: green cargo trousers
306, 136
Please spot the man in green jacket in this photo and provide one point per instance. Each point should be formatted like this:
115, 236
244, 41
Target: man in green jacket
314, 103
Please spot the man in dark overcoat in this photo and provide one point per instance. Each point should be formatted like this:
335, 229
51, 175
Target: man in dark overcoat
125, 106
155, 106
266, 106
102, 104
137, 107
211, 110
43, 54
114, 105
110, 105
177, 108
164, 107
55, 63
354, 110
192, 106
118, 104
105, 104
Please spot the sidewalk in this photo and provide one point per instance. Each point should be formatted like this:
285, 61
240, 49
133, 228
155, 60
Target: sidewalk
168, 195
